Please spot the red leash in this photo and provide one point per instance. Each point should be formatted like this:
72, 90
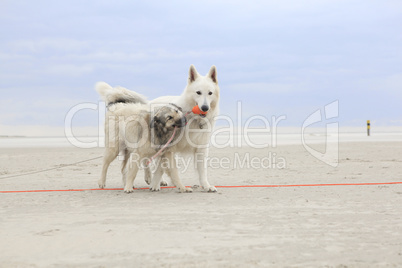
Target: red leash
228, 186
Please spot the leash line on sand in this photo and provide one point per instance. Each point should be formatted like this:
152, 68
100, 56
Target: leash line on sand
49, 169
223, 186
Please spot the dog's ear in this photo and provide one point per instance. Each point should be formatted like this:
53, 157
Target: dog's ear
213, 75
192, 74
152, 124
157, 121
178, 107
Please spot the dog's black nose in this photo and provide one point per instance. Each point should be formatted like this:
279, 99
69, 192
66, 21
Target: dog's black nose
204, 108
181, 122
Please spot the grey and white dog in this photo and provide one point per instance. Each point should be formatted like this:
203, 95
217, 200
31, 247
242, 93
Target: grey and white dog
128, 125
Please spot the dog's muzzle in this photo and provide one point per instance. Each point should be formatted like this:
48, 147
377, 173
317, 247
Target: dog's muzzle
181, 123
204, 108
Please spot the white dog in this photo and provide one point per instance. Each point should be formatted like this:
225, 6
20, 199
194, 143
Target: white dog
204, 92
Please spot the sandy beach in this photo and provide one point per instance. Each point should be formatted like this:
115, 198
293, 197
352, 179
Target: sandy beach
314, 226
299, 101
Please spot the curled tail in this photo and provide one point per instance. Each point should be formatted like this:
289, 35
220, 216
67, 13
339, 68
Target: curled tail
118, 94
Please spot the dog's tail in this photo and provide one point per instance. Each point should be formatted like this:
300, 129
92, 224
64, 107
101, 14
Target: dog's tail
118, 94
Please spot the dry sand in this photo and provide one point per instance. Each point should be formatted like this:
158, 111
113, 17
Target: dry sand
334, 226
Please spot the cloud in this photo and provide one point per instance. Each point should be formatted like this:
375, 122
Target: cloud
289, 56
390, 83
47, 44
277, 88
70, 70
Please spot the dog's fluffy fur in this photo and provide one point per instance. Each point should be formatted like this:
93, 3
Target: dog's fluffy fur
204, 92
118, 94
127, 131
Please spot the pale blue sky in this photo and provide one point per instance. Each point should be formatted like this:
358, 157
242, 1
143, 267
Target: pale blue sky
277, 57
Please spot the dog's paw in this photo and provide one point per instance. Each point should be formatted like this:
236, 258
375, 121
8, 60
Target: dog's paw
154, 188
186, 190
210, 189
164, 183
101, 184
128, 189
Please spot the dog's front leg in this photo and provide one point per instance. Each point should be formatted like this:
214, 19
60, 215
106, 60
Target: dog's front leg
149, 177
201, 164
155, 181
173, 172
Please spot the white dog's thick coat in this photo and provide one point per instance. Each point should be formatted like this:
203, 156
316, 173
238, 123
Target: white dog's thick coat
204, 92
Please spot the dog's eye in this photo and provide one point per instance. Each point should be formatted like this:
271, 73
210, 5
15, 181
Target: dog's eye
169, 117
210, 93
198, 92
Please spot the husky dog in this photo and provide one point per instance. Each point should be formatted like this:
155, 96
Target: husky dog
128, 131
204, 92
